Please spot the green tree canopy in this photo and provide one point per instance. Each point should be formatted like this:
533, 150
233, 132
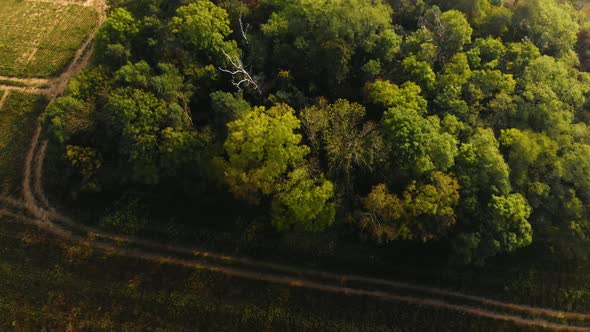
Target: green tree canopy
506, 229
262, 147
140, 125
304, 203
203, 27
550, 24
482, 171
340, 131
423, 212
322, 44
417, 143
449, 30
114, 39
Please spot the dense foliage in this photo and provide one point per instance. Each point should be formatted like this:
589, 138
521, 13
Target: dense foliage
464, 122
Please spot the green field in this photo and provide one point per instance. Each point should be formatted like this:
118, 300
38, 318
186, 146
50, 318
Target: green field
38, 39
19, 116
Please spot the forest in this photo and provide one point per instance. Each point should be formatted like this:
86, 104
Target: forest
463, 123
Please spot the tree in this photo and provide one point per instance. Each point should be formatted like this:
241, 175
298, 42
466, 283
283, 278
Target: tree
87, 162
550, 24
475, 10
551, 94
382, 219
324, 44
350, 143
506, 229
389, 95
418, 144
226, 107
422, 45
576, 170
424, 212
494, 219
531, 156
481, 171
582, 48
430, 206
560, 82
450, 84
67, 117
487, 93
304, 203
408, 12
165, 82
114, 39
496, 23
449, 30
134, 121
519, 56
486, 53
509, 222
202, 27
420, 72
266, 159
262, 148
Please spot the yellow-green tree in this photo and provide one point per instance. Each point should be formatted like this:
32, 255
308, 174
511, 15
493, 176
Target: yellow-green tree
266, 159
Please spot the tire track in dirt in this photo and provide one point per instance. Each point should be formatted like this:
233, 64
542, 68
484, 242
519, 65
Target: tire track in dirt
28, 89
27, 193
3, 98
35, 82
38, 179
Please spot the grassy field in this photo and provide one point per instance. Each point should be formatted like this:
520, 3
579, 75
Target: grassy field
46, 284
38, 39
19, 116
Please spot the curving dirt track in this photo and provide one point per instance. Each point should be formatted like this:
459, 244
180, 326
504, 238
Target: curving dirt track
3, 98
34, 209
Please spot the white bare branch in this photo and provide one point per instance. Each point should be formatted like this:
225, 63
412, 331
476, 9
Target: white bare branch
244, 31
240, 76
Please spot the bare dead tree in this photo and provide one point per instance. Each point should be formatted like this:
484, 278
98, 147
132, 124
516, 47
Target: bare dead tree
240, 76
244, 31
